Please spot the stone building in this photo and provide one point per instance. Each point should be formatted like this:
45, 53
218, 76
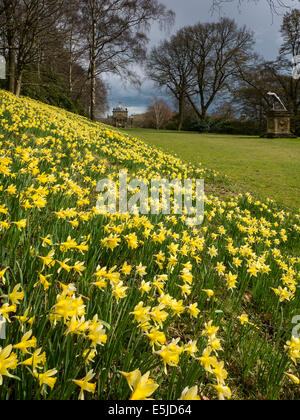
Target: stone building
120, 117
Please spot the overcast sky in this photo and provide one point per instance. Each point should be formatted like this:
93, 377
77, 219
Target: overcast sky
258, 17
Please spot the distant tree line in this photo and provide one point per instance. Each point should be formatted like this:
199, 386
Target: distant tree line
58, 51
213, 74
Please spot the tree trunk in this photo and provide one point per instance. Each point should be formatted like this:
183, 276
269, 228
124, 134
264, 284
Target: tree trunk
260, 117
93, 90
180, 113
93, 65
19, 83
70, 64
156, 111
11, 66
39, 61
10, 34
201, 115
70, 78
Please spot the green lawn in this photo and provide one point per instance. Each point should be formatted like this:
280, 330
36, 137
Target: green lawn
264, 167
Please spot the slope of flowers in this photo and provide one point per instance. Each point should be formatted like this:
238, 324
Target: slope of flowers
118, 306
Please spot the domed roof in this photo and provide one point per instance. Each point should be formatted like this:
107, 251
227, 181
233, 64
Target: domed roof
120, 107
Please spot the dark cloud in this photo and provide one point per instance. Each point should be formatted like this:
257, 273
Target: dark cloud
136, 99
257, 17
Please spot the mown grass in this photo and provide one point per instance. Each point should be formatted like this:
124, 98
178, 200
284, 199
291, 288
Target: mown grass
268, 168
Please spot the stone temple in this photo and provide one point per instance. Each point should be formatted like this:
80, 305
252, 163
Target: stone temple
120, 117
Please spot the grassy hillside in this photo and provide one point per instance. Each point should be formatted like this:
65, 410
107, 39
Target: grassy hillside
118, 306
265, 167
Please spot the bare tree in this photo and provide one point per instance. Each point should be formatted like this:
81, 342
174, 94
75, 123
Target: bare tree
282, 70
36, 19
276, 6
251, 92
8, 36
261, 77
170, 67
24, 21
225, 109
43, 40
70, 29
290, 31
116, 35
159, 113
200, 62
216, 51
